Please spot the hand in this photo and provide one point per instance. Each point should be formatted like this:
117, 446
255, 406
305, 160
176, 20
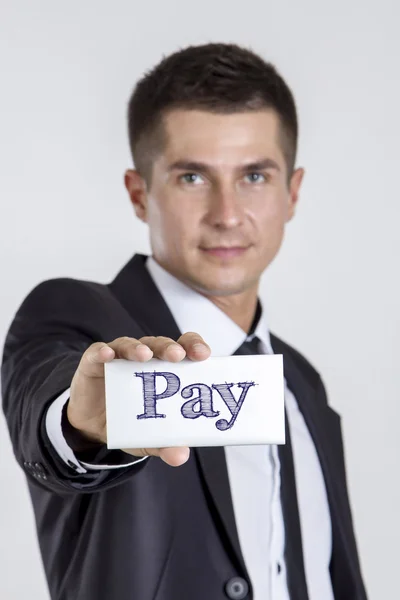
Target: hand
86, 410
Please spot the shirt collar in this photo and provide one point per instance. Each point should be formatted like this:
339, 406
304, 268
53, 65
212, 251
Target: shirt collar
194, 312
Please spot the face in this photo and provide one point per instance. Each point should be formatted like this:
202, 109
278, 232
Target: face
219, 199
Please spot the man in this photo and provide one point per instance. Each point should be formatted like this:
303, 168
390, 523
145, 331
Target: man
213, 133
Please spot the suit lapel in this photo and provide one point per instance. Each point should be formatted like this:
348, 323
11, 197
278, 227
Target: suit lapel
139, 295
319, 418
324, 427
213, 466
137, 292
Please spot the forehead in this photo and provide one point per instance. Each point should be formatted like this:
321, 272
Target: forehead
203, 135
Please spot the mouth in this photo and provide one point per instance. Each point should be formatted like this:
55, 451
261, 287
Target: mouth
225, 251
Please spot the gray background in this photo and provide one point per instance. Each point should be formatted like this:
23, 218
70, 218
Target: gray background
67, 70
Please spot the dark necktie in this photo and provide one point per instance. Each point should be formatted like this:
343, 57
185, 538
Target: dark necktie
293, 546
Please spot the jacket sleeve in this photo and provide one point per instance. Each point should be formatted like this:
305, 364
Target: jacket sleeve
51, 330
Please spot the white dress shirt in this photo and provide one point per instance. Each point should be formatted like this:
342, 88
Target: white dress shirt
254, 471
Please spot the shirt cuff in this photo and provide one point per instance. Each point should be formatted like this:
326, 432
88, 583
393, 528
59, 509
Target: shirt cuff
56, 437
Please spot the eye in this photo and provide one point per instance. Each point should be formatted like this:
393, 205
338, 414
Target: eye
256, 177
190, 178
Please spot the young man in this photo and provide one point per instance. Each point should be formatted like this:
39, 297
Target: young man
213, 133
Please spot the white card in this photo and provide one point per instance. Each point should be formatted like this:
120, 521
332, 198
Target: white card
237, 400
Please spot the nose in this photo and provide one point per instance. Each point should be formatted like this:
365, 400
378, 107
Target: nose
225, 211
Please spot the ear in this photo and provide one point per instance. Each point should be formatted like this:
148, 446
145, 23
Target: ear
294, 191
137, 190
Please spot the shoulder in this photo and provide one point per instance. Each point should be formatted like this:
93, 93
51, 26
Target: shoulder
75, 307
62, 306
63, 294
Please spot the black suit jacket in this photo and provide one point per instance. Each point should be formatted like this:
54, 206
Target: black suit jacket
148, 531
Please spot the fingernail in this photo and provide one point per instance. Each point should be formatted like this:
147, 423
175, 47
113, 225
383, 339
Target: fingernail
142, 348
108, 349
199, 347
176, 347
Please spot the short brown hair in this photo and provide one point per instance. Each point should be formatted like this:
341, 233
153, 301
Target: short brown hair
220, 78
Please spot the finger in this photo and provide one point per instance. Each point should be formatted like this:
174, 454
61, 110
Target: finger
194, 345
174, 457
93, 359
165, 348
131, 349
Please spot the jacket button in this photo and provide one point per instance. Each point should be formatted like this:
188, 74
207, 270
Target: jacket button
237, 588
40, 470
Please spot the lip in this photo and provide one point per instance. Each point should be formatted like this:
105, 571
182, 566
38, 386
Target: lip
225, 252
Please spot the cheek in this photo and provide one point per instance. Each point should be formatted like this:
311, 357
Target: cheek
270, 216
159, 214
171, 225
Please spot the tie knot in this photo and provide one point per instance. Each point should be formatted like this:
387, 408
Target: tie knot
250, 346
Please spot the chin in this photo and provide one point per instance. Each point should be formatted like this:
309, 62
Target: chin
219, 287
216, 280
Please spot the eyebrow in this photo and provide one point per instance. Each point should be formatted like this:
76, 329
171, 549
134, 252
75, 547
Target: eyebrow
200, 167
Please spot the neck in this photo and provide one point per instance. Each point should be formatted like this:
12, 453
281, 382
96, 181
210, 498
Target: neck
240, 308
